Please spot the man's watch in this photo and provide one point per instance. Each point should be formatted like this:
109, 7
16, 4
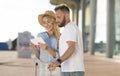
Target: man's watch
59, 60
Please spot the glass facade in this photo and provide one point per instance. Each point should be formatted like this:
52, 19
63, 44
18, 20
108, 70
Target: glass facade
117, 27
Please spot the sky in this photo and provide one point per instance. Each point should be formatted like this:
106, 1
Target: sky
21, 15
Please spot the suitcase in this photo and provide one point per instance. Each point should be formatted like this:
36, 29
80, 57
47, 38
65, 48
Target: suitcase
36, 60
36, 69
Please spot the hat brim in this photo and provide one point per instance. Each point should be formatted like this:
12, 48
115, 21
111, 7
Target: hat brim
40, 18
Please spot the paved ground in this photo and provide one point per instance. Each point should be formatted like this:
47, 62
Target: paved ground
11, 65
97, 65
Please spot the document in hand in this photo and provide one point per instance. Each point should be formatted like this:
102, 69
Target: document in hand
36, 40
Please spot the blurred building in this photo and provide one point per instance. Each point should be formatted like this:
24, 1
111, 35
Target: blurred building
89, 24
3, 46
117, 27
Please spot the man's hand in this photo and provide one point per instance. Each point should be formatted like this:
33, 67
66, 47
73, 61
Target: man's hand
52, 66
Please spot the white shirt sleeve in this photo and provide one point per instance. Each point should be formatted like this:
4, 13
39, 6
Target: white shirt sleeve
71, 34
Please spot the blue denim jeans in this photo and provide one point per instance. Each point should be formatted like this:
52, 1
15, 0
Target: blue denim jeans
79, 73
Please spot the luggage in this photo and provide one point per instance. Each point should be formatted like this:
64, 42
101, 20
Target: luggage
36, 69
36, 60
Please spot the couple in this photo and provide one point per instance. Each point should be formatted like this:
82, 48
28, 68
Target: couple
68, 60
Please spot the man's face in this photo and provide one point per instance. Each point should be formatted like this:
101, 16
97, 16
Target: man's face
60, 18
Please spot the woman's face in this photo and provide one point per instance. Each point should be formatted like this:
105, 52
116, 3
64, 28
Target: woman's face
47, 24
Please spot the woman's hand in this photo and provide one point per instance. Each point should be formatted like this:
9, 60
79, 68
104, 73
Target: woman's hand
33, 47
42, 46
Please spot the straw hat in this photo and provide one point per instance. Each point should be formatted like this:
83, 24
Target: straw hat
47, 13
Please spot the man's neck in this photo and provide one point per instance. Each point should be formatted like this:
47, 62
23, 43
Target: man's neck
67, 21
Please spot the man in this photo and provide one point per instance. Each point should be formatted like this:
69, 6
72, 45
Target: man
70, 45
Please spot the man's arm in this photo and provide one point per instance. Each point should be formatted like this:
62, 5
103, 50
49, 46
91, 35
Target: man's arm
66, 55
69, 51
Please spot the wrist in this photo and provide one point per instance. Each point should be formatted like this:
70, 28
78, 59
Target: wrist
46, 47
59, 60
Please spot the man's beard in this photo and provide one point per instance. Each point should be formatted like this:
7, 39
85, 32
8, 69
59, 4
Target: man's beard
63, 22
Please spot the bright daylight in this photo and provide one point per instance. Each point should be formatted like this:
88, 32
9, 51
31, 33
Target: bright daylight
88, 44
21, 15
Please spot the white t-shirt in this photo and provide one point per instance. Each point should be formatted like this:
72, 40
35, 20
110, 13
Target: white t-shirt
75, 62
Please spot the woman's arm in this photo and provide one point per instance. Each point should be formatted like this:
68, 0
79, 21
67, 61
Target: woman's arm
51, 51
45, 47
35, 49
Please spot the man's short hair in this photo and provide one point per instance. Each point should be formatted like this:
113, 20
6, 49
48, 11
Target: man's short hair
62, 7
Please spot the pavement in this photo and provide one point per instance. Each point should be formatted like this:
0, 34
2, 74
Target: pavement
95, 65
99, 65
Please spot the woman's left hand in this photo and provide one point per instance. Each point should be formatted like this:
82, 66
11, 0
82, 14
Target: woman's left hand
42, 46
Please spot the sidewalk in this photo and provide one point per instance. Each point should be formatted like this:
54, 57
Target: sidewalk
97, 65
10, 65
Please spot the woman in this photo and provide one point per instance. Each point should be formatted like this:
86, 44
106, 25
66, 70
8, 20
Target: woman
47, 52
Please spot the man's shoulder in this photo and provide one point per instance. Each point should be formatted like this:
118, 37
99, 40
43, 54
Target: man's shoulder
71, 25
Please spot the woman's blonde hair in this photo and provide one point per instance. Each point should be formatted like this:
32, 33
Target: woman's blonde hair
56, 31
